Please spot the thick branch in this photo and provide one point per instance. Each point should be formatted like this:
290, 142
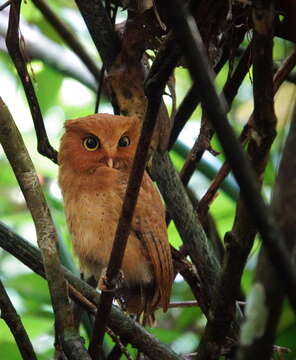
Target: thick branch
23, 168
12, 319
120, 323
191, 42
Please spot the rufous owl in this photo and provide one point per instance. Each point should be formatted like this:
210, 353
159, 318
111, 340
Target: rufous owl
95, 158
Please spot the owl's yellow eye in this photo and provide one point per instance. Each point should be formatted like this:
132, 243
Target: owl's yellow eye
124, 141
91, 143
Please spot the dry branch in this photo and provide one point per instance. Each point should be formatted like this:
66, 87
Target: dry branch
24, 171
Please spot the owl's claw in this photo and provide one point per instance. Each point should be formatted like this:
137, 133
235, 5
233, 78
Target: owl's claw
105, 285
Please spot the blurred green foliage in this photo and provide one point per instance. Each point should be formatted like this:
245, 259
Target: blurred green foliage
61, 98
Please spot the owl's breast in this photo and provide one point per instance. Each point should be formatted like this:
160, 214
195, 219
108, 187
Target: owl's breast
92, 219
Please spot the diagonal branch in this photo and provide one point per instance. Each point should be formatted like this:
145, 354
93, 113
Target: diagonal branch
155, 85
283, 204
120, 323
13, 46
282, 73
24, 171
12, 319
191, 42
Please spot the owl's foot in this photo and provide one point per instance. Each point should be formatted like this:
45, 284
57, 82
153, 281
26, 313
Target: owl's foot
105, 285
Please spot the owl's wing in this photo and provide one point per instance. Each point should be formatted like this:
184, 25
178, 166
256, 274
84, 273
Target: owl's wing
150, 227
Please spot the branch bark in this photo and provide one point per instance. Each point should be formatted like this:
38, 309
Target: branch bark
283, 204
24, 171
120, 323
191, 42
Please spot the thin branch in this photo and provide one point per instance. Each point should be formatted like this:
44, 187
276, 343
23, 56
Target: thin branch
12, 319
24, 171
190, 40
187, 106
3, 6
13, 46
283, 204
69, 38
282, 73
120, 323
155, 85
101, 30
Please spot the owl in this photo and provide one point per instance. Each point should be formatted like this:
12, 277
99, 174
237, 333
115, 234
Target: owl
95, 158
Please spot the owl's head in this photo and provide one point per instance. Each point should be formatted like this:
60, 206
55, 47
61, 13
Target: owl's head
100, 140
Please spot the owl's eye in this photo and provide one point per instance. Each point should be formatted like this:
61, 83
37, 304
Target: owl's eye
124, 141
91, 143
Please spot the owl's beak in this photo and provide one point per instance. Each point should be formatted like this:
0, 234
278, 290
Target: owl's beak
109, 162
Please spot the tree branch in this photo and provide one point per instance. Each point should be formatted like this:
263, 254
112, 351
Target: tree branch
12, 319
120, 323
181, 211
191, 42
282, 73
283, 204
24, 171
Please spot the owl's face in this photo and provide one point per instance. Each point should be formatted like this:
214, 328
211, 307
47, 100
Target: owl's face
99, 141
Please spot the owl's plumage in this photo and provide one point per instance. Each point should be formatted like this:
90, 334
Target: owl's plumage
95, 158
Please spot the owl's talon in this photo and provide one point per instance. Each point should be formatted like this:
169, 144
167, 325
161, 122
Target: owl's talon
105, 285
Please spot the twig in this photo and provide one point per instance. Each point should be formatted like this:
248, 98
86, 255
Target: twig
120, 323
68, 37
155, 84
101, 30
13, 46
118, 343
3, 6
12, 319
183, 304
191, 42
24, 171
